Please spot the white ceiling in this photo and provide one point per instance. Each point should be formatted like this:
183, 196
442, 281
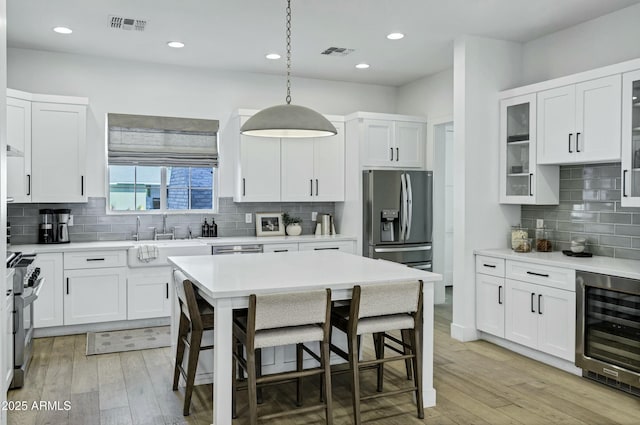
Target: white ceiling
236, 34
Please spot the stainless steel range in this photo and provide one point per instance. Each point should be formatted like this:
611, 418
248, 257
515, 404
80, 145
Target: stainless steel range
608, 330
27, 283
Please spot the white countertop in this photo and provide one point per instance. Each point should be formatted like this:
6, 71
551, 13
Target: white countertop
116, 245
225, 276
596, 264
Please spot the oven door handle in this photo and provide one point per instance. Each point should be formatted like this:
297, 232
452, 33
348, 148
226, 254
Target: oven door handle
38, 286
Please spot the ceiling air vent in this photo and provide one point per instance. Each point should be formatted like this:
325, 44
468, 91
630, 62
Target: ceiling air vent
337, 51
127, 24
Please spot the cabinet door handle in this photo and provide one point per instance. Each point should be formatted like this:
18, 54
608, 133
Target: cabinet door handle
391, 149
326, 249
81, 185
167, 290
624, 183
539, 310
538, 274
244, 192
316, 187
570, 134
67, 286
280, 250
28, 184
95, 259
397, 154
310, 187
578, 142
493, 266
532, 297
530, 184
500, 294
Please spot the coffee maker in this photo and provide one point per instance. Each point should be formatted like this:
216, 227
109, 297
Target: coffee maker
62, 219
54, 226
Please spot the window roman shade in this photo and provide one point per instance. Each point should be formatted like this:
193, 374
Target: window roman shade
162, 141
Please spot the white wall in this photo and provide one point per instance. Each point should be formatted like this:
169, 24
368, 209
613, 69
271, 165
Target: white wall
430, 97
152, 89
482, 68
602, 41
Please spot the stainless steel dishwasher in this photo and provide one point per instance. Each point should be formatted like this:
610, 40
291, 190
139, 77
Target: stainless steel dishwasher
236, 249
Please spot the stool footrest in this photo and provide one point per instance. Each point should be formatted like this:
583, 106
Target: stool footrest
389, 393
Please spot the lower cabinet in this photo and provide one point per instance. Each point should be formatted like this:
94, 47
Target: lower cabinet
49, 307
95, 295
149, 293
490, 298
541, 317
7, 346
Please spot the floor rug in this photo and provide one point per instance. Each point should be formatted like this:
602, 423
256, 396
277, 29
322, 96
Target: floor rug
128, 340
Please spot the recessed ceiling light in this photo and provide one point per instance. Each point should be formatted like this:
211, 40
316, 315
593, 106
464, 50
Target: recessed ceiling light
175, 44
272, 56
362, 66
63, 30
395, 36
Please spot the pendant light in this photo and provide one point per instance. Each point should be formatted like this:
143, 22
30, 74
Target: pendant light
288, 120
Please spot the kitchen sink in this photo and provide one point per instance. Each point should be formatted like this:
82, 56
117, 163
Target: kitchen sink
166, 248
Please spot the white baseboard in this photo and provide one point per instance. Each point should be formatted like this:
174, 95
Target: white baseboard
545, 358
462, 333
99, 327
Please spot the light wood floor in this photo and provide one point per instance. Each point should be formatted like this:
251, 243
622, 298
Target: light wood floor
476, 383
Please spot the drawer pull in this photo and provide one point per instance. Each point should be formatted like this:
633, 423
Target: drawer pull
493, 266
67, 286
539, 309
280, 250
500, 294
95, 259
167, 290
538, 274
326, 249
532, 298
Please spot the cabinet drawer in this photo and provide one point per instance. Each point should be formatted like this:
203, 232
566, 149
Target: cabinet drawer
490, 265
346, 246
280, 247
555, 277
94, 259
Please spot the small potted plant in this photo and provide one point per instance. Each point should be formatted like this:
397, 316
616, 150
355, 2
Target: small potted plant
292, 224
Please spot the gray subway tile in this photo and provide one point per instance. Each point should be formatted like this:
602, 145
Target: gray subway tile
630, 254
616, 241
616, 218
84, 237
97, 227
608, 229
620, 208
605, 251
636, 218
624, 230
635, 243
570, 226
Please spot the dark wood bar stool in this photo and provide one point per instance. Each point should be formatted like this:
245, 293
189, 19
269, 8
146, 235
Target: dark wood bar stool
284, 319
377, 310
196, 316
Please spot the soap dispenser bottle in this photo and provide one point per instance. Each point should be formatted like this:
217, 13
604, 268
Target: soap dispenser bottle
213, 229
205, 229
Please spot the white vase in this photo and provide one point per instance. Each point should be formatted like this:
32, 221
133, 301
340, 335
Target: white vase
294, 229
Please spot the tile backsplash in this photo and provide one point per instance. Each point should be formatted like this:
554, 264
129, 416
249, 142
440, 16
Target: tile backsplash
91, 223
590, 207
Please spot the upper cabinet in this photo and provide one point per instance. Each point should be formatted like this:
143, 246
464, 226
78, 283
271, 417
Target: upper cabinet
522, 180
288, 169
313, 169
392, 143
51, 131
631, 139
580, 123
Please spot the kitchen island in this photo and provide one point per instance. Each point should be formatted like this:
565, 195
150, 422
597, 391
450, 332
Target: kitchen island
227, 281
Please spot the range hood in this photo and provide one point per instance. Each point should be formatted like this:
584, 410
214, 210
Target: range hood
11, 151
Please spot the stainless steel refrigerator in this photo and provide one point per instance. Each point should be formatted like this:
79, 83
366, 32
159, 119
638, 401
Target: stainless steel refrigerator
398, 216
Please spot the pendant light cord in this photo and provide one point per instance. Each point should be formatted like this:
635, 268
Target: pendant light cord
288, 52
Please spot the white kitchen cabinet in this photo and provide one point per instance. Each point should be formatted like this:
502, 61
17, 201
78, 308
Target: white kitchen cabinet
19, 137
149, 293
280, 247
490, 296
392, 143
580, 123
631, 139
49, 307
313, 169
258, 170
58, 150
95, 295
541, 317
344, 246
522, 180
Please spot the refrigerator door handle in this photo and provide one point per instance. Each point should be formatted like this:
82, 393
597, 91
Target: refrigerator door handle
422, 267
404, 249
403, 206
409, 206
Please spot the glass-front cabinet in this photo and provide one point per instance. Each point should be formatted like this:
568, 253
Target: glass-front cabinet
631, 139
522, 181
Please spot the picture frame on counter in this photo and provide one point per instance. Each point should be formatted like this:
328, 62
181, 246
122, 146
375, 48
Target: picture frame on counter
269, 224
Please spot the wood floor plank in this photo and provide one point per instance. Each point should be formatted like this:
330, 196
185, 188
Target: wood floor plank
142, 402
57, 382
111, 384
85, 368
116, 416
85, 409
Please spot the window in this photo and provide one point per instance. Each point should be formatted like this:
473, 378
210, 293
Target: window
161, 163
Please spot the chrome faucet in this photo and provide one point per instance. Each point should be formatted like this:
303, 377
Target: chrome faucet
164, 234
164, 223
136, 235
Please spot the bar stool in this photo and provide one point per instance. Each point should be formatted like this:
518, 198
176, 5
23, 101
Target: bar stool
378, 309
283, 319
196, 316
